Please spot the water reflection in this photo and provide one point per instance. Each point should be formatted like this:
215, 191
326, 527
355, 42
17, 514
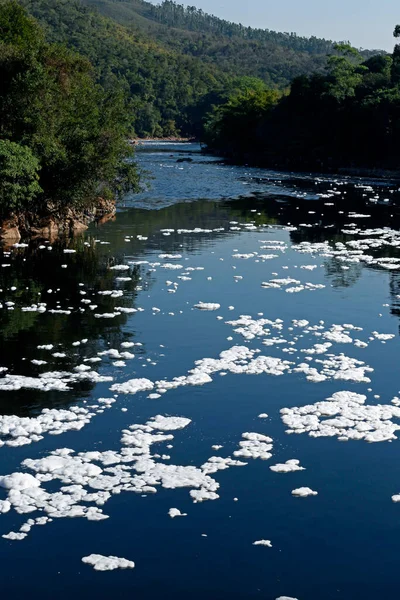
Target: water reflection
394, 286
36, 278
317, 209
141, 529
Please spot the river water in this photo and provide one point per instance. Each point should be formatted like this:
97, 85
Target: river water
228, 320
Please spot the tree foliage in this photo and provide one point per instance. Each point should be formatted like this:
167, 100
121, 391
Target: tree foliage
231, 48
58, 117
19, 176
348, 116
195, 19
241, 117
162, 84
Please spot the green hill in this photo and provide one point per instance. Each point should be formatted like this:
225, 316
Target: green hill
274, 57
163, 84
174, 62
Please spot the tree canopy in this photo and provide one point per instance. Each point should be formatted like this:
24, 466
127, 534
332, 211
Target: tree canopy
62, 134
348, 116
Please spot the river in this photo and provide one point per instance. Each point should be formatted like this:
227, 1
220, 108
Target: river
229, 320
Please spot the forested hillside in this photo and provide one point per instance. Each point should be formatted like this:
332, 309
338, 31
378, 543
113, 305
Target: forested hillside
163, 85
175, 63
274, 57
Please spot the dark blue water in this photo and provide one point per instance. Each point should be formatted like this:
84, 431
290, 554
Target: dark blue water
343, 543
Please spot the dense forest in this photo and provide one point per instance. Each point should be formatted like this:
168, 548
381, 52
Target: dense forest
63, 137
274, 57
175, 63
164, 86
194, 19
236, 50
346, 117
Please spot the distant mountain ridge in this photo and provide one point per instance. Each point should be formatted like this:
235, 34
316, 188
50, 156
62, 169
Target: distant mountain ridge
274, 57
194, 19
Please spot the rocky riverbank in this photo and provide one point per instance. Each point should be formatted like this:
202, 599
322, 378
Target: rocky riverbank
54, 221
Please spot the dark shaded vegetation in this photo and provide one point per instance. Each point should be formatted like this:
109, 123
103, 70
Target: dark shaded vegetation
347, 117
63, 137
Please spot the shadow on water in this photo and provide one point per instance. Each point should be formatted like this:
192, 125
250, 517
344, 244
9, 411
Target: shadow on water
37, 279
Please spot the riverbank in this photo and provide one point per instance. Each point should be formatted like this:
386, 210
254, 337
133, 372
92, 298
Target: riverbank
54, 221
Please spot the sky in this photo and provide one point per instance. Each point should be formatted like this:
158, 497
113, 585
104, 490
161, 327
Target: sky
365, 23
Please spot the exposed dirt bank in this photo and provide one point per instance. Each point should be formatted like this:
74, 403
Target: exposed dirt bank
54, 221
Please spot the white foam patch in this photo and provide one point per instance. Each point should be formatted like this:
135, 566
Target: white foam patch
171, 266
89, 479
19, 481
217, 463
304, 492
255, 445
346, 416
169, 423
175, 512
14, 536
170, 256
120, 268
20, 431
383, 336
266, 543
50, 381
290, 466
5, 506
107, 563
244, 360
337, 334
133, 386
207, 306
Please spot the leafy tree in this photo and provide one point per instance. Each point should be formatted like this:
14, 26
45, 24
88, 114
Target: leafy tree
396, 57
19, 176
240, 117
345, 71
175, 62
51, 104
349, 116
